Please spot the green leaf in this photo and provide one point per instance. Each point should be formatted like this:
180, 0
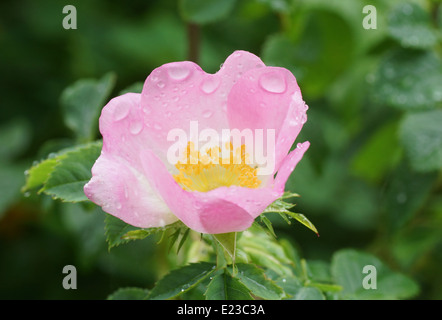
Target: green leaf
81, 104
71, 172
259, 285
205, 11
303, 219
225, 287
38, 174
379, 154
128, 294
282, 207
409, 80
228, 243
404, 196
421, 136
181, 280
115, 229
347, 269
410, 24
119, 232
265, 251
314, 57
308, 293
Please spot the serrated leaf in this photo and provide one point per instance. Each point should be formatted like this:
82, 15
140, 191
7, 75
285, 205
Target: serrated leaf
225, 287
115, 230
205, 11
421, 136
72, 172
181, 280
129, 294
119, 232
37, 175
81, 104
259, 285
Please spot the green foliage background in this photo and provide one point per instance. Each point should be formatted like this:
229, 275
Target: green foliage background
371, 179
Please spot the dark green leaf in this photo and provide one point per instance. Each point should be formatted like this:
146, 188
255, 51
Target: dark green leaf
410, 24
225, 287
421, 136
81, 104
348, 271
72, 172
259, 285
409, 80
181, 280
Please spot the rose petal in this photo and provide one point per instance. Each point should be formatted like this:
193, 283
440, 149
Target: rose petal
177, 93
118, 182
268, 99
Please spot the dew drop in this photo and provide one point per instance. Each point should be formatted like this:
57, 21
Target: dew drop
121, 112
178, 71
210, 84
299, 145
136, 127
207, 114
147, 110
273, 82
303, 118
157, 126
119, 206
161, 84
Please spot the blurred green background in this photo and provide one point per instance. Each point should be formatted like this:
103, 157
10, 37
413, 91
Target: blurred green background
371, 179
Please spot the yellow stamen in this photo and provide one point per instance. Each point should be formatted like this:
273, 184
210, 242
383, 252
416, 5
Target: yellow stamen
207, 171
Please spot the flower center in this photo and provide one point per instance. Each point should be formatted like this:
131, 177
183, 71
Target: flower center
207, 171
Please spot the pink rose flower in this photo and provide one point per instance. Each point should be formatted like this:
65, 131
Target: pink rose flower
134, 178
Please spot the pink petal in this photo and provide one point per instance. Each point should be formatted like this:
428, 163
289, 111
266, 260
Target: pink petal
268, 98
289, 164
118, 181
179, 92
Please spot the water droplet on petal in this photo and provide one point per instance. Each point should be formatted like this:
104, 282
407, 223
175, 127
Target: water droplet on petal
303, 118
121, 112
207, 114
119, 206
161, 84
178, 71
157, 126
299, 145
147, 110
136, 127
273, 82
210, 84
